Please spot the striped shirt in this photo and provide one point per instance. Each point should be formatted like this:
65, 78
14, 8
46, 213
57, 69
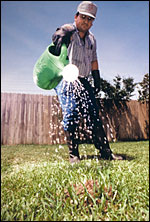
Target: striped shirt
82, 52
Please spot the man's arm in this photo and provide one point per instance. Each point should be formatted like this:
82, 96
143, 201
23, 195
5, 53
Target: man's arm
62, 35
95, 65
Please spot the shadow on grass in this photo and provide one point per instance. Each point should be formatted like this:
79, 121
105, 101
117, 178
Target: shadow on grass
126, 157
92, 157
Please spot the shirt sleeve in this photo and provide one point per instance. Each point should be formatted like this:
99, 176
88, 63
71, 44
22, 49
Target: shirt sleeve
94, 53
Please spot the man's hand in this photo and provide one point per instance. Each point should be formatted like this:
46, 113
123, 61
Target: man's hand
62, 35
96, 77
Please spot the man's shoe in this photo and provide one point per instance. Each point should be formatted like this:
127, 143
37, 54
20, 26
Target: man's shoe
74, 159
116, 157
110, 156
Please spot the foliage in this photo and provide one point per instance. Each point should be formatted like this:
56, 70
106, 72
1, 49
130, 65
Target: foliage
128, 88
121, 90
39, 184
144, 89
108, 89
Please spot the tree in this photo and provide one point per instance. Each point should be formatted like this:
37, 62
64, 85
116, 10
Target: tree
128, 88
117, 87
121, 90
108, 89
144, 89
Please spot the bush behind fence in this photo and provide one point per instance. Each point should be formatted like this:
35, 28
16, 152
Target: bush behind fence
36, 119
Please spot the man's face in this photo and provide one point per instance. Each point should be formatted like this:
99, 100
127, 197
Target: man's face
83, 22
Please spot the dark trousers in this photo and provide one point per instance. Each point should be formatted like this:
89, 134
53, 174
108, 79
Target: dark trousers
78, 102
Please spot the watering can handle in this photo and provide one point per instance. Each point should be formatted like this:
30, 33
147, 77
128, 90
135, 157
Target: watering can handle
63, 53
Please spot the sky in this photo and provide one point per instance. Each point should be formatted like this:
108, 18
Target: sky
121, 29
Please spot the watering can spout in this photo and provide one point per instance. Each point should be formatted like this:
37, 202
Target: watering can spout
47, 71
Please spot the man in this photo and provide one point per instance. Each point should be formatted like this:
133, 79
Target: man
81, 46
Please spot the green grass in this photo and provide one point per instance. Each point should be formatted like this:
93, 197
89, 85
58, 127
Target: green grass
39, 184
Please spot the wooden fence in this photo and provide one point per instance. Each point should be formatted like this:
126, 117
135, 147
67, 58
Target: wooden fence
36, 119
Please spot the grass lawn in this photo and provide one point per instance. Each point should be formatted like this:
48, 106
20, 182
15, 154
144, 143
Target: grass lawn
39, 184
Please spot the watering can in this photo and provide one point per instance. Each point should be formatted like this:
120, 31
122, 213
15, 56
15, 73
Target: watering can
48, 69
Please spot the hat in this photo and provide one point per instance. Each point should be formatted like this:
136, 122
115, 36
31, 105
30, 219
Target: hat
87, 8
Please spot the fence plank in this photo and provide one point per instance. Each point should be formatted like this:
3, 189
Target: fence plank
50, 120
11, 128
3, 113
6, 121
36, 119
40, 113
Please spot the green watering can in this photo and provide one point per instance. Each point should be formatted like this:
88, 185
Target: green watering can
47, 71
